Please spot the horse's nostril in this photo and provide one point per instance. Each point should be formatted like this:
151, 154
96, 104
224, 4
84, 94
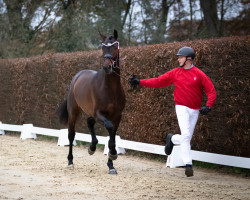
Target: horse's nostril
107, 69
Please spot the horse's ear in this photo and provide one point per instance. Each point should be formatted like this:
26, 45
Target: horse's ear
115, 34
102, 36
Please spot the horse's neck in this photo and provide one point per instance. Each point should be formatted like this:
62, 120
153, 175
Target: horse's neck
112, 81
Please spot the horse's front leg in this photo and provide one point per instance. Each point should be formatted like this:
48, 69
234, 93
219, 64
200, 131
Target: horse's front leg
112, 170
112, 155
112, 131
91, 122
111, 144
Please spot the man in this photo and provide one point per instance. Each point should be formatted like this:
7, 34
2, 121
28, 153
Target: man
189, 84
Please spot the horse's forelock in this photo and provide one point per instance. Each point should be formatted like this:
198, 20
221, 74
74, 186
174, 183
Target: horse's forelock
110, 39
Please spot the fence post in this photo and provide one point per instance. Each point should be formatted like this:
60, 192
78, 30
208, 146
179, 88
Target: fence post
119, 150
1, 131
27, 132
63, 139
174, 159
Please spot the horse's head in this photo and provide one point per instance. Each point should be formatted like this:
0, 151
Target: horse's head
110, 49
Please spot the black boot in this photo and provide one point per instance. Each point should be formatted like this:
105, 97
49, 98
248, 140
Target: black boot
189, 170
169, 144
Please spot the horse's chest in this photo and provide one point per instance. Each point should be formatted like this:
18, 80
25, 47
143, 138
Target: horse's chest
111, 108
114, 105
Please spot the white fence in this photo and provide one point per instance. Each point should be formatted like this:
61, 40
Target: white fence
174, 160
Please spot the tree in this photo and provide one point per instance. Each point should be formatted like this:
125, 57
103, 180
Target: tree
130, 28
159, 33
127, 10
77, 29
239, 25
209, 9
35, 27
179, 26
18, 35
193, 10
63, 36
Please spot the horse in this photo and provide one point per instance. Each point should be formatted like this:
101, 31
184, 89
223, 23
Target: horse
100, 95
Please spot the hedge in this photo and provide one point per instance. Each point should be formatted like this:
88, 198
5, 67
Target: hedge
32, 89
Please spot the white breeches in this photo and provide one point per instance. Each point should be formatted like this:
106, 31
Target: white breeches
187, 119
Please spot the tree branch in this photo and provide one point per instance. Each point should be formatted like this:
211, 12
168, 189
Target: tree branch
126, 13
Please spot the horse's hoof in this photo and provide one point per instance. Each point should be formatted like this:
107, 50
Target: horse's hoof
112, 171
71, 166
112, 157
90, 151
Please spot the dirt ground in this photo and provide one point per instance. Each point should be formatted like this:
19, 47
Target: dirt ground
37, 169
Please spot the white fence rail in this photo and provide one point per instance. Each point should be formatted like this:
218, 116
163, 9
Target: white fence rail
174, 160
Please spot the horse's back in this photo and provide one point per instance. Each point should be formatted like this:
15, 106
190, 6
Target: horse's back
82, 89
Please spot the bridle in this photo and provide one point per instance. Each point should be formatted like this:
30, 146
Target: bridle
114, 60
111, 44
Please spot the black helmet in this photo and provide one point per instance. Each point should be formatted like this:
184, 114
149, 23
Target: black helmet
186, 51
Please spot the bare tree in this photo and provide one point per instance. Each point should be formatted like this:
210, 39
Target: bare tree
209, 9
18, 31
130, 23
159, 33
127, 5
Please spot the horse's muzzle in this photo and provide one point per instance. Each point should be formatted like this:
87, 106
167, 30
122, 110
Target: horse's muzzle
108, 69
107, 65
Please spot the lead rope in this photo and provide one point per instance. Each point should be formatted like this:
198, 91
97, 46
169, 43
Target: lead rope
116, 66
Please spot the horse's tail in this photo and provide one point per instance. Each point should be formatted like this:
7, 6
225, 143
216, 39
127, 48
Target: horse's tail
62, 112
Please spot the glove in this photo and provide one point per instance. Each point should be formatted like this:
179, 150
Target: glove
134, 81
204, 110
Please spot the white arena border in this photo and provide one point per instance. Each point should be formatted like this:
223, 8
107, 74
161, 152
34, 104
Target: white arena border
174, 160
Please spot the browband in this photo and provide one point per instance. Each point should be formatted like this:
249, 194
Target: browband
111, 44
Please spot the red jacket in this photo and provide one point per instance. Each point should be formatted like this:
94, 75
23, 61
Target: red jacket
189, 85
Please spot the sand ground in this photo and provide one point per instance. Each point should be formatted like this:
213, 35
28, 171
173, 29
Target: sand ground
37, 169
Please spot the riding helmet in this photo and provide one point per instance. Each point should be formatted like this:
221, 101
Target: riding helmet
186, 51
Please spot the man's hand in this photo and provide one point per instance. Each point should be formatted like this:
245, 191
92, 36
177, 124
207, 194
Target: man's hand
134, 81
204, 110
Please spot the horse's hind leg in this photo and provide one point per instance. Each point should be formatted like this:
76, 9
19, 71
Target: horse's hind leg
73, 112
91, 122
71, 136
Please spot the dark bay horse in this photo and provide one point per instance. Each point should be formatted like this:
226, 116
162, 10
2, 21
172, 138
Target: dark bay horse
100, 95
